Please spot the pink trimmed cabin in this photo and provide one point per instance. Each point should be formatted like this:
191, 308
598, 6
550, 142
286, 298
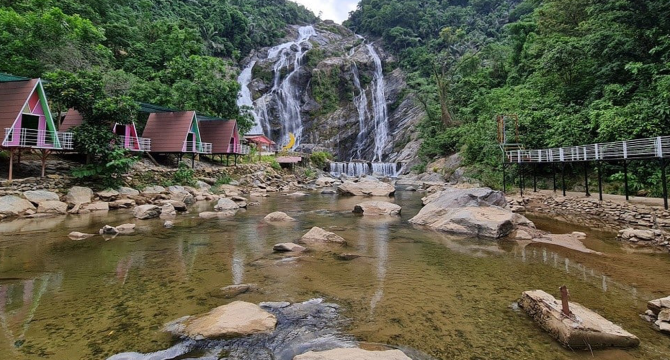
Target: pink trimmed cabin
26, 119
175, 133
224, 136
127, 133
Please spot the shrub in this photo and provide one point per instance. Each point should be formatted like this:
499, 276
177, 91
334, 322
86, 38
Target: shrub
184, 175
320, 158
275, 165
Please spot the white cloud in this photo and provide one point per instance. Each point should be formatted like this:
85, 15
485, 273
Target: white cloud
337, 10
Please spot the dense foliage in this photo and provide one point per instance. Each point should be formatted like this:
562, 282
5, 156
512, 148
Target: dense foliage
575, 71
173, 53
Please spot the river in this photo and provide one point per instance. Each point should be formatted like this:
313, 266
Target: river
446, 297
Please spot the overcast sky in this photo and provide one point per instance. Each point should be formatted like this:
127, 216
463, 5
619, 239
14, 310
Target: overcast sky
337, 10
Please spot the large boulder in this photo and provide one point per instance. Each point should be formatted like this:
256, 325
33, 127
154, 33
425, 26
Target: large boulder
469, 212
12, 205
455, 198
144, 212
225, 204
585, 329
376, 208
278, 216
126, 191
353, 354
490, 222
52, 207
368, 186
168, 211
38, 196
108, 195
318, 236
153, 190
78, 195
235, 319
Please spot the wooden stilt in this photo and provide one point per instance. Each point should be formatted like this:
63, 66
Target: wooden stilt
586, 178
43, 156
11, 164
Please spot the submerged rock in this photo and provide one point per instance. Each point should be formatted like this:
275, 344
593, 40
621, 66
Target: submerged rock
217, 214
235, 319
225, 204
353, 354
288, 247
108, 230
126, 229
318, 236
584, 330
233, 290
278, 216
76, 235
376, 208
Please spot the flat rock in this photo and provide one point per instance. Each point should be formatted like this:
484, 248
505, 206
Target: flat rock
232, 291
108, 195
278, 216
225, 204
232, 320
52, 207
288, 247
144, 212
217, 214
571, 241
153, 190
12, 205
38, 196
126, 229
126, 191
96, 206
184, 197
324, 181
657, 305
79, 195
459, 198
353, 354
376, 208
490, 222
122, 204
76, 235
664, 315
318, 236
585, 329
366, 187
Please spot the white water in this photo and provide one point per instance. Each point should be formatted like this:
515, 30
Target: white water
261, 126
355, 169
379, 106
361, 102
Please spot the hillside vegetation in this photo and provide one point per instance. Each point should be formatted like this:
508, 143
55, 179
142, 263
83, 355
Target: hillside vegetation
575, 71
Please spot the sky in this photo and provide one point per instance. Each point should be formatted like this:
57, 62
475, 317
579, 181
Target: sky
337, 10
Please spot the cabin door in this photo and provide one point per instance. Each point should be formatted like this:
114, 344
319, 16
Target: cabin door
120, 131
190, 142
29, 125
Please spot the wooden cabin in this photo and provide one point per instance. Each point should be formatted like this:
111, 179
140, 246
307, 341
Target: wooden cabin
264, 144
224, 136
175, 133
26, 119
127, 133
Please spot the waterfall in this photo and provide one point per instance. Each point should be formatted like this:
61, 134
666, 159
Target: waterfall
261, 125
356, 169
361, 102
287, 58
379, 106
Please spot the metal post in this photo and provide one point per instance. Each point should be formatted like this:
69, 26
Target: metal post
535, 178
665, 184
600, 181
625, 178
563, 177
504, 182
521, 179
586, 178
553, 170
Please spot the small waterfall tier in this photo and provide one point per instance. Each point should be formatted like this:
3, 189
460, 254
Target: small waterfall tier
355, 169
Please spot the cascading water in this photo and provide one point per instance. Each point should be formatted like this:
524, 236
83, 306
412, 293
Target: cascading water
361, 102
356, 169
261, 126
379, 106
385, 169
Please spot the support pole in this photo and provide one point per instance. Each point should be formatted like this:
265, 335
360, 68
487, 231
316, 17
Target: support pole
553, 170
193, 161
565, 296
235, 159
563, 177
535, 178
665, 184
521, 179
43, 156
625, 178
11, 164
600, 181
504, 182
227, 160
586, 178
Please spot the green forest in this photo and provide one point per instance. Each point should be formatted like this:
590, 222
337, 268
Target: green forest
177, 54
575, 72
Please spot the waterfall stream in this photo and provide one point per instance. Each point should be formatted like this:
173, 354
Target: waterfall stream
379, 106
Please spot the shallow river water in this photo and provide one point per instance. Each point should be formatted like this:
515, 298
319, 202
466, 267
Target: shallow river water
446, 297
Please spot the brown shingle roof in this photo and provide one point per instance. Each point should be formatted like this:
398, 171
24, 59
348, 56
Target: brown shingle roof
13, 96
219, 133
168, 131
72, 118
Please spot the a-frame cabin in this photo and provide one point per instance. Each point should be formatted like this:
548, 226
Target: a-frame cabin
224, 136
175, 133
26, 120
127, 133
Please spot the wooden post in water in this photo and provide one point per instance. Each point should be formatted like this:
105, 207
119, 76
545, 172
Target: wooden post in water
565, 296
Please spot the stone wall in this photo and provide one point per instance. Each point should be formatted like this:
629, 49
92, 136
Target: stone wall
609, 215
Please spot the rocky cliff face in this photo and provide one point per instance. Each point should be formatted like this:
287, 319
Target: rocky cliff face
333, 90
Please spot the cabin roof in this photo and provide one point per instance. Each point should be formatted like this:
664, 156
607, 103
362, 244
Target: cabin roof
168, 130
219, 133
13, 97
259, 139
73, 118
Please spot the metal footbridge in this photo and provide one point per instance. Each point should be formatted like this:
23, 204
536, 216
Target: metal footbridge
647, 149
